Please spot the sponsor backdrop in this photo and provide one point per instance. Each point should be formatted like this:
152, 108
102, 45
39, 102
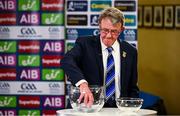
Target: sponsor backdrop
32, 34
32, 44
82, 17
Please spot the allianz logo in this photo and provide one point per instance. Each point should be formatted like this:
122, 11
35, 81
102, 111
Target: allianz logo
4, 85
28, 31
4, 29
30, 4
28, 86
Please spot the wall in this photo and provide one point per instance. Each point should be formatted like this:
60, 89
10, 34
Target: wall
159, 65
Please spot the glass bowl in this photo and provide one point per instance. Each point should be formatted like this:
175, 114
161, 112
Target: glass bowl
98, 94
127, 104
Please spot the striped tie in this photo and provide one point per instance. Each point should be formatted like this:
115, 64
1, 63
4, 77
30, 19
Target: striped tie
110, 75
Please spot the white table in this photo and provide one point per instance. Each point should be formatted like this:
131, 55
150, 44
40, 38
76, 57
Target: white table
104, 112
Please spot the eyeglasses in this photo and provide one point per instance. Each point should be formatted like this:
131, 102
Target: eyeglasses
113, 31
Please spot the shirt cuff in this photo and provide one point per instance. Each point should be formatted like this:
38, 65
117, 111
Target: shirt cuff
80, 82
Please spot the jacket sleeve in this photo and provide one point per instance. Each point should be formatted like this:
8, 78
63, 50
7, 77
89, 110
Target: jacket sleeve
72, 61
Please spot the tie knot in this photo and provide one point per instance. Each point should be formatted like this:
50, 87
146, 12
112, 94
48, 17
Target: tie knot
110, 49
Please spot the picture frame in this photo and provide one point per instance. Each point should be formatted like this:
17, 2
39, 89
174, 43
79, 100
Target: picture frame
140, 16
147, 17
158, 16
177, 16
169, 16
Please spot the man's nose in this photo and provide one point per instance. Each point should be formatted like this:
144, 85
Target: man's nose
109, 34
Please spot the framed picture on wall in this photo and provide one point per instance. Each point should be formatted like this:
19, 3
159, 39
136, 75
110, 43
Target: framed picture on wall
177, 16
168, 16
147, 17
140, 16
158, 16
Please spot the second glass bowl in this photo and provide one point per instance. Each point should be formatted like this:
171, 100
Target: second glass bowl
127, 104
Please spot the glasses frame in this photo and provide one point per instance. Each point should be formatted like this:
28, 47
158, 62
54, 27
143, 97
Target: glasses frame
111, 31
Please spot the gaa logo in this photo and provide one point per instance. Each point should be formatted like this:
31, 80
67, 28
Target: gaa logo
4, 85
28, 31
4, 30
54, 86
129, 32
96, 32
53, 30
28, 86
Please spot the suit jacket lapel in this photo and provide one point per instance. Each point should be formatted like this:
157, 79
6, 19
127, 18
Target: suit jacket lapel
98, 56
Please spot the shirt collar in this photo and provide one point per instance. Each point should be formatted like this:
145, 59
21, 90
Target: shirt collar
115, 46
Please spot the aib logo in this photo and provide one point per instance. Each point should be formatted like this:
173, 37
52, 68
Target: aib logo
7, 5
53, 46
53, 102
29, 18
7, 60
28, 86
8, 112
28, 31
30, 74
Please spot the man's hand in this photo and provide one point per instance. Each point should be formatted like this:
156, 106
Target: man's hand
86, 94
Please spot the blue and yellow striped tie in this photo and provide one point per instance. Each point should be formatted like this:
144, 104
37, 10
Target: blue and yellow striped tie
110, 75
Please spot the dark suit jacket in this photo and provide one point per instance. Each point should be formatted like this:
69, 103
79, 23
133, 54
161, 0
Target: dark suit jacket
84, 61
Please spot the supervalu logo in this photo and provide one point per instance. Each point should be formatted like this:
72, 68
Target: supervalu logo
52, 5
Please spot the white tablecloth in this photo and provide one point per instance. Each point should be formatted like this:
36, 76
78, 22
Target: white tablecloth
104, 112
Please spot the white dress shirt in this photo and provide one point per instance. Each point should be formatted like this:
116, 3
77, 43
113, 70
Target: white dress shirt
116, 55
